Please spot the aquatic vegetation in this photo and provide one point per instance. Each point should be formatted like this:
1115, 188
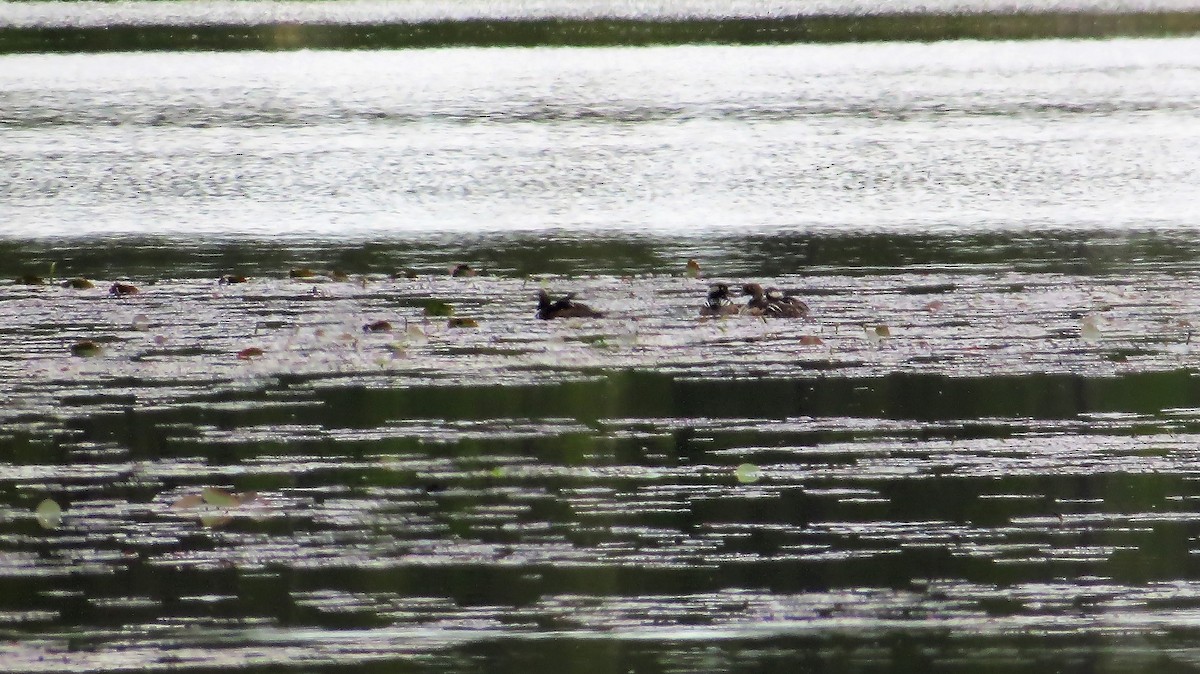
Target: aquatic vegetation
49, 514
437, 308
78, 283
86, 349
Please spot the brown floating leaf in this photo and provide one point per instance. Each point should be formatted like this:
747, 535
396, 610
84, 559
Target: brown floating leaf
693, 269
811, 340
463, 269
934, 305
86, 349
302, 272
378, 326
122, 289
229, 279
462, 323
249, 352
79, 283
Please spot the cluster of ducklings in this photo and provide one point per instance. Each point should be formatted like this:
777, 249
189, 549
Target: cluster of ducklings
769, 302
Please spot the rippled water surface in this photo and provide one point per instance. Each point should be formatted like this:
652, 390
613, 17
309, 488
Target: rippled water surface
978, 451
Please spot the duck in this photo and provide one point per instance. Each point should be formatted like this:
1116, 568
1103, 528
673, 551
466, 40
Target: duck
718, 302
773, 302
563, 307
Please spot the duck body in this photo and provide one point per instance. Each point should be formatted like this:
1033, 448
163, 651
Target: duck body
773, 302
563, 307
718, 302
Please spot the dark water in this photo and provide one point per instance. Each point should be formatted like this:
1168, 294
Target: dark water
992, 485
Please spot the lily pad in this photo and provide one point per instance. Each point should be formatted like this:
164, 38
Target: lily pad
747, 473
438, 308
49, 514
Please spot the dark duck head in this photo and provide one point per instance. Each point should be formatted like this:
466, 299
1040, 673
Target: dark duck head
718, 302
563, 307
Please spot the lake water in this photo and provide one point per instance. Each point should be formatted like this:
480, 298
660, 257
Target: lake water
979, 451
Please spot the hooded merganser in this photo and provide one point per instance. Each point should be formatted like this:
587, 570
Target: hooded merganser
563, 307
718, 302
773, 302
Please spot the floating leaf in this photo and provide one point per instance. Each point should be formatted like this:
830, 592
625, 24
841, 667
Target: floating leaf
141, 323
1089, 331
747, 473
49, 514
249, 352
213, 519
220, 497
79, 283
30, 280
377, 326
86, 349
462, 323
811, 340
883, 331
188, 501
934, 305
302, 272
438, 308
122, 289
693, 269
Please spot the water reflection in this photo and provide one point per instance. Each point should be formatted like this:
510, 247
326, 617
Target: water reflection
528, 492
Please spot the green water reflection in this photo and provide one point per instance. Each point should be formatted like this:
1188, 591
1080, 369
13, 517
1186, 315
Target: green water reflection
603, 32
585, 253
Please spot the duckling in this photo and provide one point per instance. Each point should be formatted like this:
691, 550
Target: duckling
773, 302
785, 305
718, 302
563, 307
